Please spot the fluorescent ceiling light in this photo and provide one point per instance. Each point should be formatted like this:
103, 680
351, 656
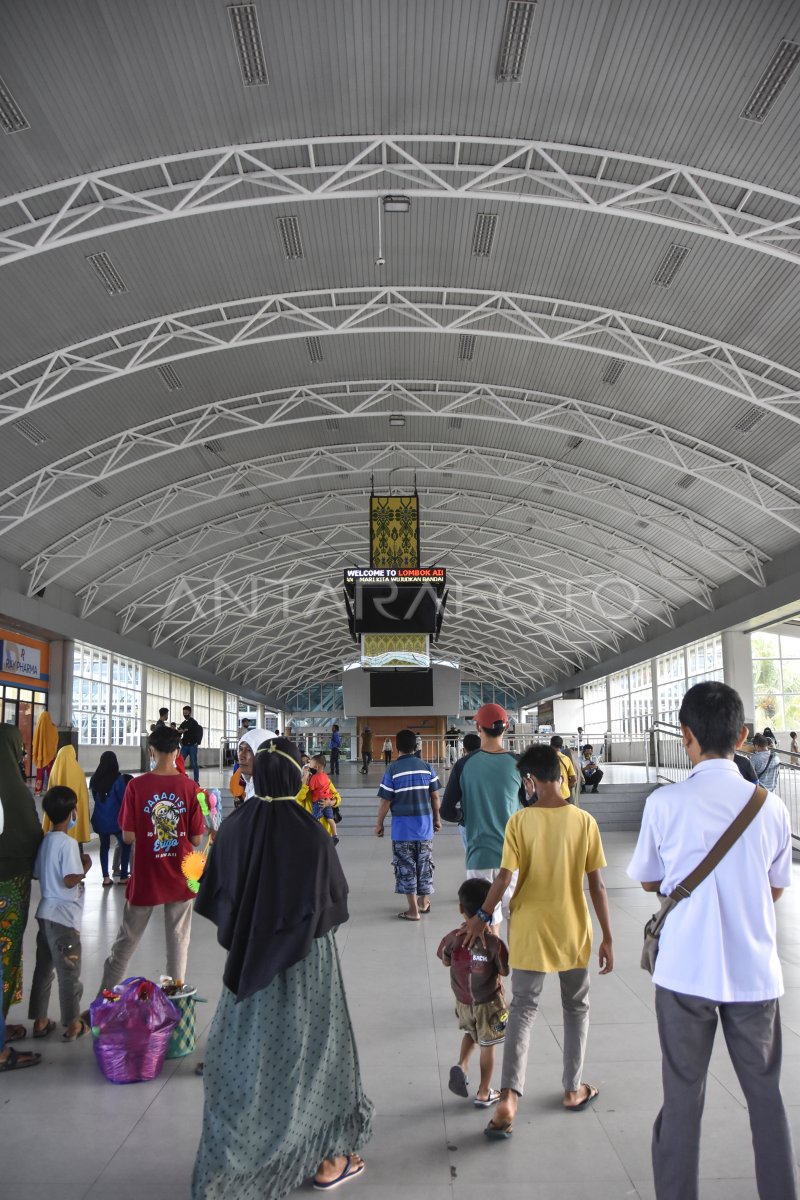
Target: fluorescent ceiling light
249, 47
399, 204
614, 370
331, 423
397, 419
466, 346
107, 273
516, 34
98, 489
30, 431
670, 264
749, 420
12, 118
289, 229
574, 443
685, 481
483, 234
170, 378
314, 349
772, 82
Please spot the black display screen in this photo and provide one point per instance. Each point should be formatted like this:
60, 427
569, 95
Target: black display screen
395, 608
401, 690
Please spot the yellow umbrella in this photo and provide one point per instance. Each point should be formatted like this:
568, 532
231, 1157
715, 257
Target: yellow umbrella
68, 773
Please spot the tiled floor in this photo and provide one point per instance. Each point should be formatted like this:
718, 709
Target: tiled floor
65, 1132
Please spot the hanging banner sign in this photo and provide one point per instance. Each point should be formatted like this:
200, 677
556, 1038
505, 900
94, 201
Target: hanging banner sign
434, 575
20, 660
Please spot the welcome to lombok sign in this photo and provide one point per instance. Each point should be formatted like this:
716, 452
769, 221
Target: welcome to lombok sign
21, 660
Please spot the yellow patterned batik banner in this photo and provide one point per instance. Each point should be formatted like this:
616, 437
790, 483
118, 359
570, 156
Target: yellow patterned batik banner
385, 650
394, 531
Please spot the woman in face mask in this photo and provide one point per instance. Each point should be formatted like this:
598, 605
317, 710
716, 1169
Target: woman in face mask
67, 772
19, 842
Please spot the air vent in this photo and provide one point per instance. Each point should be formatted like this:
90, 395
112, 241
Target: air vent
213, 447
772, 82
170, 378
483, 236
98, 489
289, 229
314, 348
614, 370
749, 420
249, 47
670, 265
516, 34
30, 431
574, 443
107, 273
332, 424
455, 422
12, 117
685, 481
466, 346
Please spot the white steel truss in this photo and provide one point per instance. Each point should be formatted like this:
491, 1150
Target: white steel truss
466, 510
335, 312
491, 170
656, 442
716, 552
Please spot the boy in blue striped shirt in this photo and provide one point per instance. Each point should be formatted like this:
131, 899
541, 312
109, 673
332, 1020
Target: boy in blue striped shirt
410, 789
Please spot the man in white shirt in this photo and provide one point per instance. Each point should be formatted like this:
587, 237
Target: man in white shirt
718, 958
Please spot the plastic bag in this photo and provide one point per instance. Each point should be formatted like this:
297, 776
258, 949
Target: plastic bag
131, 1030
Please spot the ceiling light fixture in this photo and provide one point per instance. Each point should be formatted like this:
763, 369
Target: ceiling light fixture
516, 34
107, 273
685, 481
483, 234
749, 420
396, 204
249, 47
30, 432
98, 489
289, 229
380, 261
12, 118
397, 419
614, 370
574, 443
466, 346
170, 378
314, 349
670, 264
772, 82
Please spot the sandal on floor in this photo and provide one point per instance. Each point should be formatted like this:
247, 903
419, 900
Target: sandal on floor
405, 917
48, 1029
494, 1096
458, 1082
591, 1095
108, 882
423, 912
84, 1029
499, 1133
350, 1171
16, 1061
15, 1033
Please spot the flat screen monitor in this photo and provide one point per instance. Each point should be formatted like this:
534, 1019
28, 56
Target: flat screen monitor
401, 690
395, 651
395, 608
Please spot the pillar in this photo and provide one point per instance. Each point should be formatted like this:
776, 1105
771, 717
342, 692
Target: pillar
737, 666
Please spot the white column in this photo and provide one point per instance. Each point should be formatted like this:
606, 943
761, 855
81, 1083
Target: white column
737, 665
60, 689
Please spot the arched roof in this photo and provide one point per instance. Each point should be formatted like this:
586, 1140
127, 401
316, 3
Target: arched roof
586, 319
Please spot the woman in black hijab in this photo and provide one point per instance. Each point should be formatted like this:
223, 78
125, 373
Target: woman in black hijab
283, 1094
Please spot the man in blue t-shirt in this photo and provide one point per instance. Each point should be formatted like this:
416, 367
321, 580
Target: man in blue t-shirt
410, 789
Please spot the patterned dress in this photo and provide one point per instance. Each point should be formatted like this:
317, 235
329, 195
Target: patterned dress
282, 1084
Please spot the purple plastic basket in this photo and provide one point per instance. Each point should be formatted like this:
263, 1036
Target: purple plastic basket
131, 1036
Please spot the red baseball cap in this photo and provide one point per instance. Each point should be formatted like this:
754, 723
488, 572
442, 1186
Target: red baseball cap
489, 714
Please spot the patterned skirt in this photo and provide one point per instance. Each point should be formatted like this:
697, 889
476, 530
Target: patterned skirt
282, 1084
15, 898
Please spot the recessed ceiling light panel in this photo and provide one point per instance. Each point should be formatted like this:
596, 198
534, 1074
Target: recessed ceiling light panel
289, 229
749, 420
466, 346
397, 419
772, 82
31, 432
396, 204
483, 234
670, 264
12, 118
249, 47
314, 348
614, 370
107, 273
685, 481
170, 377
516, 35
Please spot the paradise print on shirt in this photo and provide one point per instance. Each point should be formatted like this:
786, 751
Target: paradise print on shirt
165, 810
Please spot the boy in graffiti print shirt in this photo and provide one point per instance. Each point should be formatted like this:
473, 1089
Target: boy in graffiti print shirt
162, 818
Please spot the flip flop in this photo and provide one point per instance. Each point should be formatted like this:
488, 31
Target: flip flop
348, 1173
401, 917
499, 1133
458, 1082
84, 1029
108, 883
15, 1033
423, 912
494, 1096
49, 1027
591, 1096
17, 1061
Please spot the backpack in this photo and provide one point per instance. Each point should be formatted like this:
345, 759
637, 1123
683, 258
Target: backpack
198, 734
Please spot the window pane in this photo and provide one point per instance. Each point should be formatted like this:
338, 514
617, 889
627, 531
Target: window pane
765, 645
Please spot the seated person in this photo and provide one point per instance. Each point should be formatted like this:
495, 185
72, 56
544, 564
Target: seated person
590, 769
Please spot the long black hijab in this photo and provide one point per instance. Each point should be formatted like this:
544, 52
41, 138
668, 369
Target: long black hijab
106, 775
22, 831
273, 882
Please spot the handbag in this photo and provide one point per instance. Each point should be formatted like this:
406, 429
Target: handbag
652, 930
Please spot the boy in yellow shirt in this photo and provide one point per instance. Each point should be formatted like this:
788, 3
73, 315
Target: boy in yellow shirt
552, 844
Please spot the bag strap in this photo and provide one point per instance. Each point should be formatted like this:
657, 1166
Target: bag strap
722, 846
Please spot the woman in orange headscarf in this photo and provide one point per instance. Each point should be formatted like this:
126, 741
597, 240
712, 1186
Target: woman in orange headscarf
67, 771
45, 748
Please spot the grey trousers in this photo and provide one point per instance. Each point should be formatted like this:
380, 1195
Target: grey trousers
177, 928
58, 950
686, 1028
526, 987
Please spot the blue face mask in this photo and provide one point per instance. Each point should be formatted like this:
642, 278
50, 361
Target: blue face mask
73, 821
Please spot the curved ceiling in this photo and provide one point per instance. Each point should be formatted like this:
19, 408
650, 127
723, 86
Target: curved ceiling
586, 320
